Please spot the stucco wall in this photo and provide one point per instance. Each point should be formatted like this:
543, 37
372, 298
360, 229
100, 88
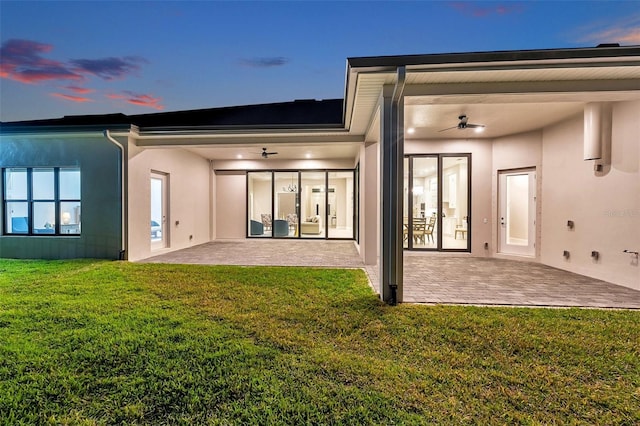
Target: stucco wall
231, 205
99, 161
605, 206
517, 152
189, 199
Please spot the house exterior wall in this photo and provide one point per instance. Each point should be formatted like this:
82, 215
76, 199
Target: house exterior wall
516, 152
231, 205
99, 162
189, 197
605, 206
369, 204
481, 183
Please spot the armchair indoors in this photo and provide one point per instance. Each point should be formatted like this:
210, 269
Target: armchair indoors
266, 221
280, 228
19, 225
256, 228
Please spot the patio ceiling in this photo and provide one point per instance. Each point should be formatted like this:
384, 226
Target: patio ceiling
508, 96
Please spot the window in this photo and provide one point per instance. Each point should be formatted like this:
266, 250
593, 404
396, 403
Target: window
41, 201
301, 204
437, 202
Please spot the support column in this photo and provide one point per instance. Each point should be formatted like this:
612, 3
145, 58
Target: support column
391, 175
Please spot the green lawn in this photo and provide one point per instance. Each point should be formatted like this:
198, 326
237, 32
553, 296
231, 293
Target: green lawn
93, 342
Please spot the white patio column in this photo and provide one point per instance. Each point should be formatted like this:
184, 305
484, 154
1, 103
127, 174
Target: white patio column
391, 175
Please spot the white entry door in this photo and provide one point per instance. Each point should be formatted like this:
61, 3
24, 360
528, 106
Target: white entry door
159, 228
517, 212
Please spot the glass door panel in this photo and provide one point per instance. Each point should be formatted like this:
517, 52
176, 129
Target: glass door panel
405, 205
159, 237
423, 221
259, 203
455, 202
340, 213
285, 220
313, 196
517, 195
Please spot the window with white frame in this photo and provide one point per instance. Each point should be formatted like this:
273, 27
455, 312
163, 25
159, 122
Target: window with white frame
41, 201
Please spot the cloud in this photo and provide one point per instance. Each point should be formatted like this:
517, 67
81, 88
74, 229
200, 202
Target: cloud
79, 90
139, 99
473, 9
264, 62
624, 31
72, 98
108, 68
22, 61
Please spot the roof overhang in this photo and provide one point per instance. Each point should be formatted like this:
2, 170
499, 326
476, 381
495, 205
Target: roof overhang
611, 71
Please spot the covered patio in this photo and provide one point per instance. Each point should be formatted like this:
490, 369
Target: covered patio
430, 278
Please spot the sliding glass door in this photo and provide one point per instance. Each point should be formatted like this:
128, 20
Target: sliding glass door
436, 205
286, 204
260, 204
340, 204
301, 204
313, 215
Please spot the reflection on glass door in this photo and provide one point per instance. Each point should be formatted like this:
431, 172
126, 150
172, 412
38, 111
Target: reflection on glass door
436, 202
313, 223
455, 200
259, 204
340, 205
423, 218
302, 204
285, 220
159, 237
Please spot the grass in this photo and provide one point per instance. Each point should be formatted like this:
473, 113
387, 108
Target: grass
93, 342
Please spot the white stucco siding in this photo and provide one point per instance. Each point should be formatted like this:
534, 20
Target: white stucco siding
519, 151
189, 192
604, 206
231, 205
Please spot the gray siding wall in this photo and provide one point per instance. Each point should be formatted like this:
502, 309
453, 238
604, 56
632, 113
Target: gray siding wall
99, 162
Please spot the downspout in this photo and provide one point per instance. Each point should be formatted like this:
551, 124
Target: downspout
123, 194
397, 111
391, 164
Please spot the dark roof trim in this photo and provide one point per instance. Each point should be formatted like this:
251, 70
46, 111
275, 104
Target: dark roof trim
19, 128
606, 51
299, 114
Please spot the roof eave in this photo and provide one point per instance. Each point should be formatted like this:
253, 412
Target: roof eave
8, 129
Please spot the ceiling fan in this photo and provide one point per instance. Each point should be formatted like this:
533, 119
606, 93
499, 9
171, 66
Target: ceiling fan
464, 124
266, 154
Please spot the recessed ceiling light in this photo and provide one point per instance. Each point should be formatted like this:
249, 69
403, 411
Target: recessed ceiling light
239, 156
308, 155
479, 129
411, 130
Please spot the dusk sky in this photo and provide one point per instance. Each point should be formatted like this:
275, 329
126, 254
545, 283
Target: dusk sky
97, 57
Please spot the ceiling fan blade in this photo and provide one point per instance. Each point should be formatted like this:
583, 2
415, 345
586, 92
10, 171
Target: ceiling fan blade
474, 126
448, 128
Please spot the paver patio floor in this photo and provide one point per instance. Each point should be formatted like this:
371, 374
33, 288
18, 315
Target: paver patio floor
428, 278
